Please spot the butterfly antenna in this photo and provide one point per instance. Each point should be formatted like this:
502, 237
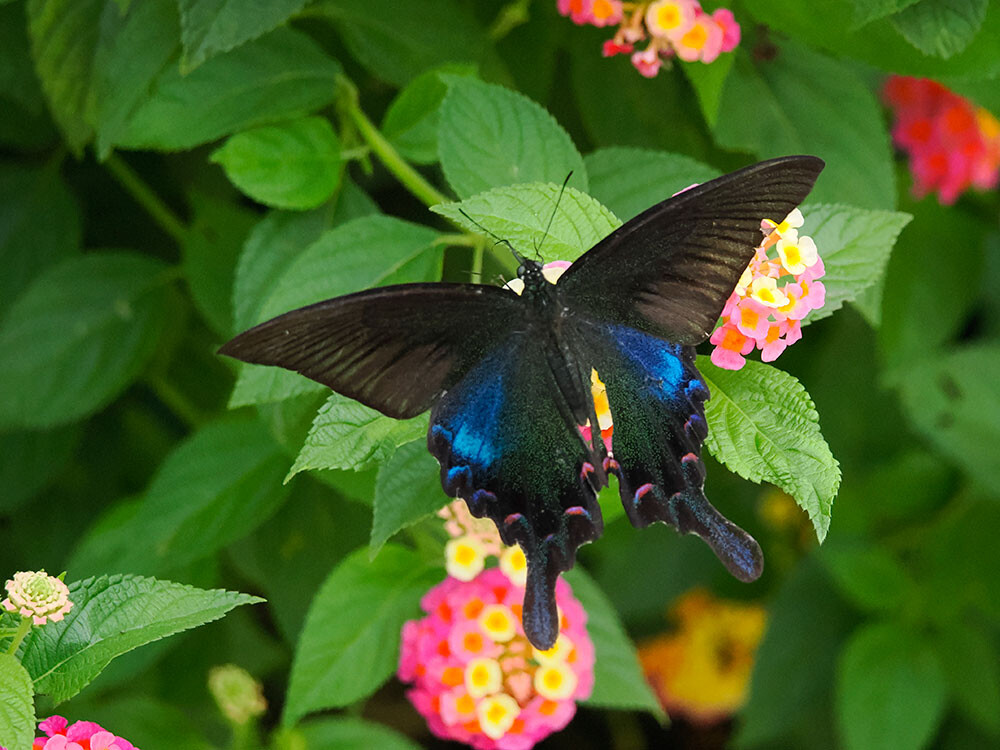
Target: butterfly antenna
555, 208
517, 255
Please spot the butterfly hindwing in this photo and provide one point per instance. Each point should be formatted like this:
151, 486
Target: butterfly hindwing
670, 270
656, 398
506, 447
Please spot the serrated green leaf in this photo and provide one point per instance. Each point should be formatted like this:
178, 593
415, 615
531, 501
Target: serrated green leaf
866, 11
971, 666
29, 246
407, 489
281, 75
349, 435
365, 252
618, 679
630, 180
890, 689
868, 576
941, 27
81, 332
17, 704
210, 251
348, 733
294, 165
763, 425
209, 27
350, 642
831, 26
490, 136
954, 400
135, 47
411, 122
396, 41
64, 35
855, 245
802, 102
112, 615
214, 488
521, 213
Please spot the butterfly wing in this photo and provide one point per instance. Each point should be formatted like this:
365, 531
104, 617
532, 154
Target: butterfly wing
670, 270
394, 348
656, 398
507, 446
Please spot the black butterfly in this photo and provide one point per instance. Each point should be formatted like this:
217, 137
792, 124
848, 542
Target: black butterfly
508, 377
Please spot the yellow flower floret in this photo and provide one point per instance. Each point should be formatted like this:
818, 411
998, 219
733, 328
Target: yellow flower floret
465, 557
496, 714
483, 676
498, 622
555, 681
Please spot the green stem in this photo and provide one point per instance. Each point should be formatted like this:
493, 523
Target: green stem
176, 401
143, 194
19, 635
411, 179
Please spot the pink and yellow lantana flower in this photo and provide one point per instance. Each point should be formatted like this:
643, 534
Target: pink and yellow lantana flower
673, 27
701, 671
37, 595
776, 291
81, 735
475, 677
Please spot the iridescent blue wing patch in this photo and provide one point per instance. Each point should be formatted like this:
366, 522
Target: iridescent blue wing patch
507, 447
657, 400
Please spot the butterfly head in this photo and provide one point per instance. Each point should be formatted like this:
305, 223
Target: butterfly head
530, 272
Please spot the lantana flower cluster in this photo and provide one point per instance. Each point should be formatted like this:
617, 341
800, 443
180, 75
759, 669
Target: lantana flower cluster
952, 144
37, 595
776, 291
475, 677
81, 735
673, 27
701, 670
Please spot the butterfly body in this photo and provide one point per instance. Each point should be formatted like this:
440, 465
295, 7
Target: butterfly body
508, 378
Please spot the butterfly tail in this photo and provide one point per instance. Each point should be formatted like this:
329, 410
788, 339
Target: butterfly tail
540, 615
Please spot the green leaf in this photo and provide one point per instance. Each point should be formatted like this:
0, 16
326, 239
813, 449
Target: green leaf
962, 556
490, 136
954, 400
350, 643
64, 35
209, 27
831, 26
366, 252
24, 117
349, 435
802, 102
396, 41
112, 615
618, 679
890, 689
793, 671
281, 75
348, 733
81, 333
630, 180
294, 165
855, 245
866, 11
135, 47
407, 489
273, 245
29, 246
941, 27
29, 461
708, 82
521, 213
17, 704
214, 488
411, 122
210, 252
869, 577
763, 425
972, 668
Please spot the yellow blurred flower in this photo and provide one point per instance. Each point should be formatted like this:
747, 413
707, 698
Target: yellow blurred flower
701, 671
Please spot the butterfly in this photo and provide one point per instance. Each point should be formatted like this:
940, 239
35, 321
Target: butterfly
508, 378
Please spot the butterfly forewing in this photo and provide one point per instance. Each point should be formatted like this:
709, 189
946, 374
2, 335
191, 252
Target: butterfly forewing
670, 270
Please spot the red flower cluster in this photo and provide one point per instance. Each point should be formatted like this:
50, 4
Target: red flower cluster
952, 144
